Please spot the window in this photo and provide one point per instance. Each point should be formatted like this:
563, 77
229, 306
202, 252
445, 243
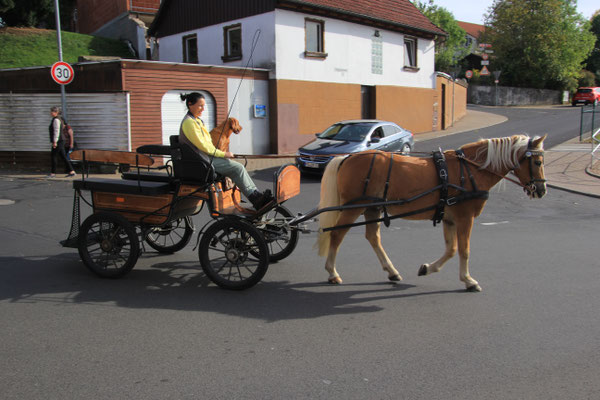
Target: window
232, 40
190, 49
315, 45
410, 54
377, 54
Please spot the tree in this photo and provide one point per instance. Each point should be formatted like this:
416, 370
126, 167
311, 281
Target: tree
593, 61
35, 13
453, 49
539, 43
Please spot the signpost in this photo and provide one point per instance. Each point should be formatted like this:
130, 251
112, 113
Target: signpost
62, 73
469, 74
484, 71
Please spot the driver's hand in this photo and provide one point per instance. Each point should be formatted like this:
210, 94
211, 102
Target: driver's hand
229, 154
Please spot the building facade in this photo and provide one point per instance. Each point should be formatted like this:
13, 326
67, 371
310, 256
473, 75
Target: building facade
327, 60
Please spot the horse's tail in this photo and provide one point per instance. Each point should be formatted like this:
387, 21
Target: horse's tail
329, 198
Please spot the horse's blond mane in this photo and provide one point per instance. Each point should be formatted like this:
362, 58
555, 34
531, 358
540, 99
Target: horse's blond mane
500, 154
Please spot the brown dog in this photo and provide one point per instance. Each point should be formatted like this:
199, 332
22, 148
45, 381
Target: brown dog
220, 133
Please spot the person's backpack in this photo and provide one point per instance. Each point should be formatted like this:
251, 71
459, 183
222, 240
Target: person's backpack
68, 136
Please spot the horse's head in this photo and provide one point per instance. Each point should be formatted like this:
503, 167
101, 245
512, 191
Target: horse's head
530, 170
234, 125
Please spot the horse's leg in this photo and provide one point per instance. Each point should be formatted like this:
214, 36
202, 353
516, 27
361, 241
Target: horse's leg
336, 238
450, 239
463, 230
373, 235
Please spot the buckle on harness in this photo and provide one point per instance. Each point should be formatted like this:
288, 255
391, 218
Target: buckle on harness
451, 201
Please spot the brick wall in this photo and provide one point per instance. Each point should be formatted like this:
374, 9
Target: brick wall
93, 14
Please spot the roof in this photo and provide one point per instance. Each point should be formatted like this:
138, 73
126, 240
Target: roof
175, 16
397, 12
474, 30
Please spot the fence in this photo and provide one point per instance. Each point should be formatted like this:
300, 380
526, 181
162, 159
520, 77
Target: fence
591, 124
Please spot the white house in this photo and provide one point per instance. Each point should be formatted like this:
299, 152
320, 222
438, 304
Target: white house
328, 60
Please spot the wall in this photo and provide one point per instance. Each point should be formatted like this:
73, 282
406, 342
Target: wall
143, 83
348, 47
512, 96
92, 14
410, 108
455, 101
281, 46
211, 47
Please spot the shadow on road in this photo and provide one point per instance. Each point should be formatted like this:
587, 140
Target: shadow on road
183, 286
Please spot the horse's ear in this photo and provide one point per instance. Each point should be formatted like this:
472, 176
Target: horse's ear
537, 143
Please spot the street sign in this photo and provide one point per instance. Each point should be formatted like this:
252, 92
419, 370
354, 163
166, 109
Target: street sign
485, 63
484, 71
62, 73
485, 56
469, 74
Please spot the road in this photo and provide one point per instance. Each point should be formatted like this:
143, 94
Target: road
164, 331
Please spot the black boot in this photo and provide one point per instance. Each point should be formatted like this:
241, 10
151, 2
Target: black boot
259, 200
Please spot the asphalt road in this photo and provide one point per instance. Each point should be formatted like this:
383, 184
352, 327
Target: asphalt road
164, 331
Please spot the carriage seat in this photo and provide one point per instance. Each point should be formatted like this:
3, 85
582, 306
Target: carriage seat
145, 188
189, 166
150, 176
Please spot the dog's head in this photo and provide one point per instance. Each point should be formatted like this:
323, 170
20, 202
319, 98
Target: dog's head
235, 126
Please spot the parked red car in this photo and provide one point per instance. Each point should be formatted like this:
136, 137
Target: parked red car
587, 95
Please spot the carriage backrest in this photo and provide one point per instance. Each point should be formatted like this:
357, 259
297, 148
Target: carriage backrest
189, 165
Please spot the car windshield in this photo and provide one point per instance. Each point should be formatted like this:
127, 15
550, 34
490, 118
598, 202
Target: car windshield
352, 132
584, 91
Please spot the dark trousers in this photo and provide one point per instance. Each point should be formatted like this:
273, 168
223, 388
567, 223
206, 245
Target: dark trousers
59, 151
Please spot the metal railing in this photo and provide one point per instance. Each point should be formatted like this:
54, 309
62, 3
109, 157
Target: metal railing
595, 135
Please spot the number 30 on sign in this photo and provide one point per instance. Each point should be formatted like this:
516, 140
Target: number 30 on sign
62, 73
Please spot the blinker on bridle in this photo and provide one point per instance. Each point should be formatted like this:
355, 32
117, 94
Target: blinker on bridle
531, 185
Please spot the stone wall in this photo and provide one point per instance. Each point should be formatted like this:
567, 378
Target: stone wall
511, 96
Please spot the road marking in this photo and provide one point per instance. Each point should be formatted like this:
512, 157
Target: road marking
494, 223
6, 202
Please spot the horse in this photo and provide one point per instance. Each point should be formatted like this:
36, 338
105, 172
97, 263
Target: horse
402, 187
220, 134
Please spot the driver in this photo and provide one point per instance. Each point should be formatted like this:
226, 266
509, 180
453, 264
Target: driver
194, 133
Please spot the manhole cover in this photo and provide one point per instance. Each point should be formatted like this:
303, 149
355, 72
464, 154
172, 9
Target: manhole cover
6, 202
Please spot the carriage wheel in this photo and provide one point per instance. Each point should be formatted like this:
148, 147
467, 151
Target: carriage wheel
281, 239
108, 245
233, 254
172, 237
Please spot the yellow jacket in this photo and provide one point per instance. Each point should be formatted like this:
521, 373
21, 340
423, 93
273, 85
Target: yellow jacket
195, 131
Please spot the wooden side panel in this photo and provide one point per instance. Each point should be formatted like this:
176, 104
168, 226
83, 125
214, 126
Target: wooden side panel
288, 183
159, 204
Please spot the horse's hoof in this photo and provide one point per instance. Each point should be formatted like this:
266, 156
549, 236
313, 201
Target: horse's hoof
423, 270
474, 288
395, 278
336, 280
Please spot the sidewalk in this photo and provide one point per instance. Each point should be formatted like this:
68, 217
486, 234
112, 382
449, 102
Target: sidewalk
566, 166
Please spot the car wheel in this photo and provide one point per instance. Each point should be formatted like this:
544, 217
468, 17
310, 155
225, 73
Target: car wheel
405, 148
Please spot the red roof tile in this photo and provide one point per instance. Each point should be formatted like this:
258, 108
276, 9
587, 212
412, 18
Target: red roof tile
474, 30
400, 12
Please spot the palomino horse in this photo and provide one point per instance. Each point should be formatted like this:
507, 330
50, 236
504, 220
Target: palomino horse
220, 133
392, 178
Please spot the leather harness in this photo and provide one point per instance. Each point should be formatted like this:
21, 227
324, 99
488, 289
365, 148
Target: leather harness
442, 173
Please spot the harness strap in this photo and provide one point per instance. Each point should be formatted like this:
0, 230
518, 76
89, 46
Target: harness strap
386, 217
368, 178
442, 169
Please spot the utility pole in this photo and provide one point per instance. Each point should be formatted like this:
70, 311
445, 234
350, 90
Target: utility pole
60, 58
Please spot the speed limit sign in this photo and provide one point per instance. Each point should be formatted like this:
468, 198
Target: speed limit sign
62, 73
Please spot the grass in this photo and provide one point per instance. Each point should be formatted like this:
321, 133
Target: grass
30, 47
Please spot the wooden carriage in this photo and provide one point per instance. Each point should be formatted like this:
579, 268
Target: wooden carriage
154, 205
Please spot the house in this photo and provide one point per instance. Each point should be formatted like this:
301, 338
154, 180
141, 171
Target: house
126, 20
473, 36
328, 60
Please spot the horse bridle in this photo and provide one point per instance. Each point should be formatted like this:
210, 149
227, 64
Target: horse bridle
529, 154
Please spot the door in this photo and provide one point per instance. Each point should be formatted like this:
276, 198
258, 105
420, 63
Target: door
367, 94
443, 116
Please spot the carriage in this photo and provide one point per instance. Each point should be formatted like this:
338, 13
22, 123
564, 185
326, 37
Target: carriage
153, 205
